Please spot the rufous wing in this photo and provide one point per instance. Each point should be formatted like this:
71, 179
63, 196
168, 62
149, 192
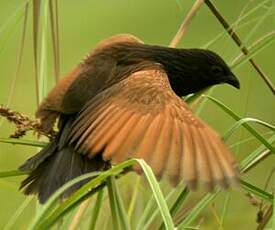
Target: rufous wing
142, 117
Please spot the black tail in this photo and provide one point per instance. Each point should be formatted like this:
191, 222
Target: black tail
56, 164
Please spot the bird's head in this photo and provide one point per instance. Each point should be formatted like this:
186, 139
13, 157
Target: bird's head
191, 70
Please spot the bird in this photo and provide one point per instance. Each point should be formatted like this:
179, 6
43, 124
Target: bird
124, 100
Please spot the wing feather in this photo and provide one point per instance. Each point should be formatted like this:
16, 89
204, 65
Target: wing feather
141, 117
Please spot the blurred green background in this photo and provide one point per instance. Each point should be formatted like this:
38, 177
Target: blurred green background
84, 23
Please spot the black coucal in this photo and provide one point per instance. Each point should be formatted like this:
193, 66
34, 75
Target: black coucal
123, 101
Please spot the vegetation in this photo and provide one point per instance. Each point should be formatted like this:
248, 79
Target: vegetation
49, 37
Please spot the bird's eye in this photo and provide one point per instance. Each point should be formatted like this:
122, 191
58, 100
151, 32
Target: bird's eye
216, 70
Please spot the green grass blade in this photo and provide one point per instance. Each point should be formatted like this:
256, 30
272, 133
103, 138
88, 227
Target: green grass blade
241, 122
133, 198
113, 203
233, 25
177, 204
45, 222
23, 142
264, 43
148, 211
55, 36
224, 210
195, 211
193, 214
247, 161
257, 191
9, 27
43, 54
96, 209
17, 213
46, 208
273, 216
256, 26
151, 212
12, 173
237, 118
124, 223
36, 19
167, 219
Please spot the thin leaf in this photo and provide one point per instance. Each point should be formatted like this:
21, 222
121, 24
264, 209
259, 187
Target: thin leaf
256, 26
124, 223
8, 28
257, 191
177, 204
224, 210
23, 142
113, 204
233, 25
264, 43
12, 173
19, 56
43, 75
55, 37
46, 208
247, 126
36, 19
133, 198
96, 209
238, 41
241, 122
151, 212
196, 210
273, 217
18, 213
167, 219
77, 218
44, 222
246, 163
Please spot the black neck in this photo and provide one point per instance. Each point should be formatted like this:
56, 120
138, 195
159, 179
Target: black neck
176, 62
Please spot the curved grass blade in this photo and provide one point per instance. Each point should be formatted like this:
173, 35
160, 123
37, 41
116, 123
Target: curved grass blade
273, 217
241, 122
151, 212
23, 142
177, 204
45, 209
265, 42
247, 162
124, 222
113, 203
96, 209
9, 27
224, 210
239, 43
196, 210
133, 198
46, 221
237, 118
167, 219
17, 213
53, 9
257, 191
233, 25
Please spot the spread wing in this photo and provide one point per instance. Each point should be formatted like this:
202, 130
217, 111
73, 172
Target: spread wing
141, 117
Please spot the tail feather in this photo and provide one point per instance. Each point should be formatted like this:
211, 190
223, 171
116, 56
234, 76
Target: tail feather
55, 165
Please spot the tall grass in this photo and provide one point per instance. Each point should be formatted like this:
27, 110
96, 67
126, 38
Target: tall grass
162, 210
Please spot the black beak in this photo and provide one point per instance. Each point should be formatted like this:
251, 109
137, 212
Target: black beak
232, 80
